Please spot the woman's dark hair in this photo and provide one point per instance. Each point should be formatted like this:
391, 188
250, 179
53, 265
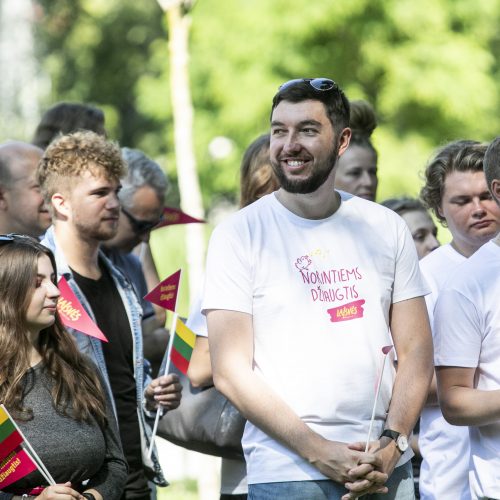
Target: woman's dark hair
363, 123
66, 117
77, 391
257, 177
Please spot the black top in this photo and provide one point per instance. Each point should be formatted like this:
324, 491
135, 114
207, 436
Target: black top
111, 317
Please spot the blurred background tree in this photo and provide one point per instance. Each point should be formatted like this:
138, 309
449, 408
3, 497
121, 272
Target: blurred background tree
430, 69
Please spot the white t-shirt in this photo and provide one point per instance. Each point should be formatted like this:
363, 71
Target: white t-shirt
468, 335
319, 292
444, 447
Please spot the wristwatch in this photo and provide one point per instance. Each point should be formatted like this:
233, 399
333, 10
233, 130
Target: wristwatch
401, 439
89, 496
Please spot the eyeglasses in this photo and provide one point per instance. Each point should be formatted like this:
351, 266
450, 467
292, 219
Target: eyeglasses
321, 84
141, 226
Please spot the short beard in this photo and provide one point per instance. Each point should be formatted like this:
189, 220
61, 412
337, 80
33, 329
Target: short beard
312, 183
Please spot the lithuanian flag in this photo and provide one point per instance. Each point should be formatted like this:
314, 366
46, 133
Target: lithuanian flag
182, 347
10, 437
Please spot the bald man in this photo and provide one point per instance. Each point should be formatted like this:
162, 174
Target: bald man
22, 209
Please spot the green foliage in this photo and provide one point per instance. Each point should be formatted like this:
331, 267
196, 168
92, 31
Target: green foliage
430, 68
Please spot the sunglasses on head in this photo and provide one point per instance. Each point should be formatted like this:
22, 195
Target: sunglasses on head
141, 226
320, 84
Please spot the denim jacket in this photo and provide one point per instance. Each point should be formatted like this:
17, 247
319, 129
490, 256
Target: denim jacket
93, 347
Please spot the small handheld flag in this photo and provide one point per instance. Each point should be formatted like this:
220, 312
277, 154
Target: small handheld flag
182, 347
10, 438
172, 216
17, 461
166, 292
385, 351
73, 314
15, 466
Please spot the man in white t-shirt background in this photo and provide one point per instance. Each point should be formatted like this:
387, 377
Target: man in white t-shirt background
302, 293
467, 357
456, 191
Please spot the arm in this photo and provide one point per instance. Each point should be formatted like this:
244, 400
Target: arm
200, 368
461, 403
412, 340
232, 359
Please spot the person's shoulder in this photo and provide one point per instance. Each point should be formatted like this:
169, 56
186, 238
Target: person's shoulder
444, 256
247, 216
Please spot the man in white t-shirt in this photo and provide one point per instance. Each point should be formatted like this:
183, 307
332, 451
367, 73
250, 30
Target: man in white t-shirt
456, 191
467, 337
303, 290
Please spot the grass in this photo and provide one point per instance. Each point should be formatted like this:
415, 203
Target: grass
179, 490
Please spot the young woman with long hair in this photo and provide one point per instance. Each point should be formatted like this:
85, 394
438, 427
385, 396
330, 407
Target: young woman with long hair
50, 389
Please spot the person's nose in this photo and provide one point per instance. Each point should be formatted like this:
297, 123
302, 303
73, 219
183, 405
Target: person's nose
292, 144
431, 243
113, 201
52, 291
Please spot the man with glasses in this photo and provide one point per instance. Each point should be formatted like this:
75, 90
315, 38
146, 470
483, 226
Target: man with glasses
303, 292
142, 200
80, 178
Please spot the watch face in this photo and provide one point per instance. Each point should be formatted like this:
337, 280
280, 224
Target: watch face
402, 443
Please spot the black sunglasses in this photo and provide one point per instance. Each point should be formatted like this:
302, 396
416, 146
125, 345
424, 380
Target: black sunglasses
141, 226
321, 84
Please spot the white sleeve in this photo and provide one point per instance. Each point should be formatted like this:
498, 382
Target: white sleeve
196, 321
457, 330
228, 283
408, 280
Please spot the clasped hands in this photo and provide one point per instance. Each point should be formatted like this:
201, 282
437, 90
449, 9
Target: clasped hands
361, 472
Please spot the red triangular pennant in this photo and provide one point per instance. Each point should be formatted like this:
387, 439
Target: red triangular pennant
165, 294
72, 313
173, 216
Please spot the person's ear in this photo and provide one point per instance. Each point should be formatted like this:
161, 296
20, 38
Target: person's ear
344, 139
61, 205
495, 189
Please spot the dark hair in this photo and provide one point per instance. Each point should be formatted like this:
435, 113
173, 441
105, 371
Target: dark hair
257, 177
492, 162
404, 205
457, 156
363, 122
77, 391
66, 117
335, 102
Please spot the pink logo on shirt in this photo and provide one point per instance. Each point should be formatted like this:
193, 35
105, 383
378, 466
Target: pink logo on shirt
346, 312
303, 262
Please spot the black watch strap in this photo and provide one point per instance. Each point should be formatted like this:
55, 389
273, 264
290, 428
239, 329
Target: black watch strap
89, 496
391, 434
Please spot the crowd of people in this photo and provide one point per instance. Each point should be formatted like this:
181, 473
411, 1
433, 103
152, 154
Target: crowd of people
310, 287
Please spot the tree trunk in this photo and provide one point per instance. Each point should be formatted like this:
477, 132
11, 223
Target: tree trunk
190, 193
